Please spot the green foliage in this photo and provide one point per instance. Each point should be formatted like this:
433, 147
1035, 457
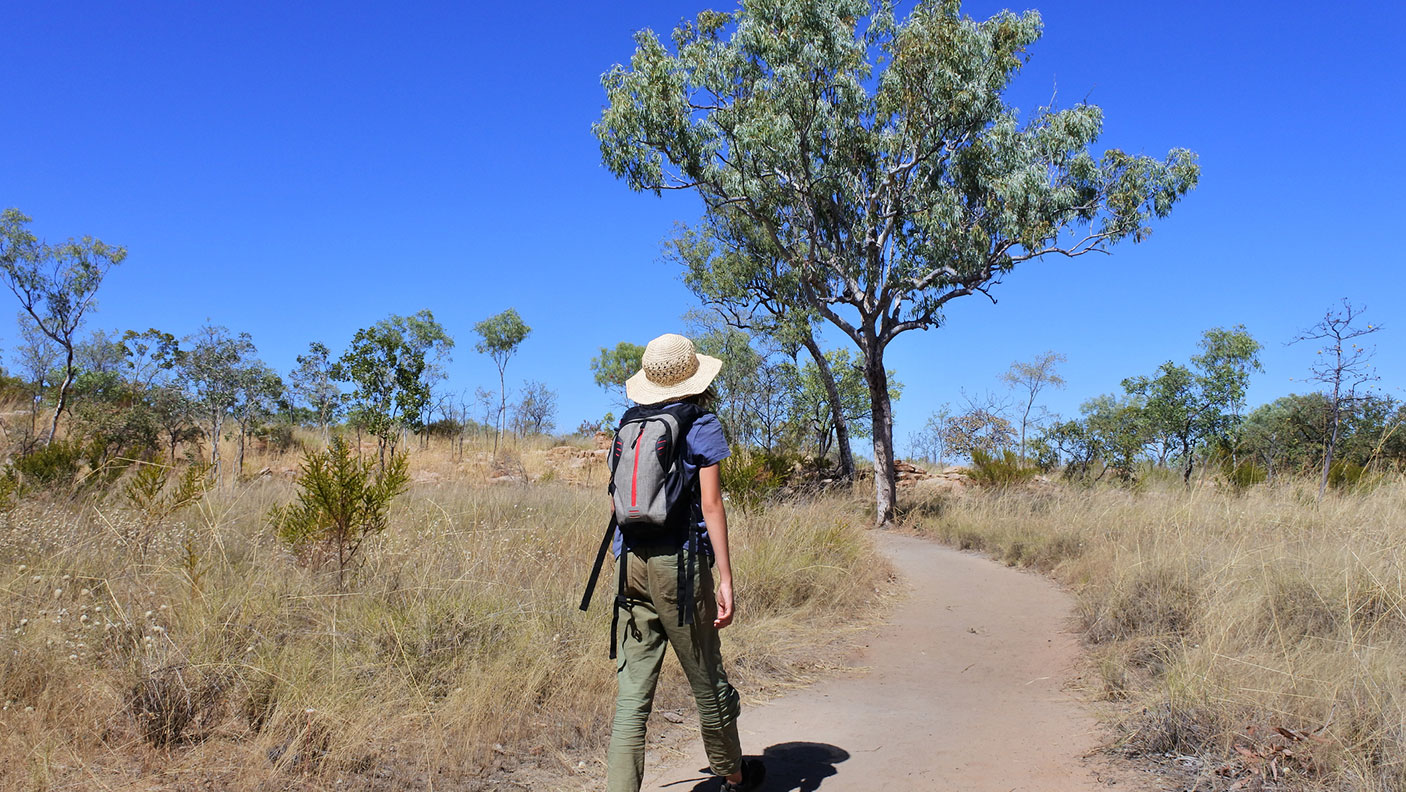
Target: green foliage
1290, 434
1348, 476
343, 501
1108, 439
1186, 408
613, 366
113, 417
55, 284
499, 337
1002, 469
979, 429
147, 492
279, 437
812, 403
211, 373
312, 382
871, 166
51, 466
9, 490
1032, 378
390, 366
1240, 472
749, 476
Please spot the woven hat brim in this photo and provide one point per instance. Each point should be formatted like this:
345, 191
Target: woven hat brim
642, 391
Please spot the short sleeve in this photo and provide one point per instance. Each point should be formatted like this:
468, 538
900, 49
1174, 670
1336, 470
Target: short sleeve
706, 443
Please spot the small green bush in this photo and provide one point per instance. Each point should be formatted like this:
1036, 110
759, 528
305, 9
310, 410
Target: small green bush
279, 438
1245, 475
342, 501
1347, 476
749, 477
54, 465
1005, 470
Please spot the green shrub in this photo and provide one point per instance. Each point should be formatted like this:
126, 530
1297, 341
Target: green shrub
990, 470
1244, 475
342, 502
279, 438
54, 465
749, 477
1345, 475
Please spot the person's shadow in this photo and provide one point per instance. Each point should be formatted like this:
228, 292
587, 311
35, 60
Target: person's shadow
791, 766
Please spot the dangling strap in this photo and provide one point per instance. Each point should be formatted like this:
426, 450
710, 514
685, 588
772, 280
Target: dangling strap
600, 562
685, 616
620, 601
692, 543
688, 574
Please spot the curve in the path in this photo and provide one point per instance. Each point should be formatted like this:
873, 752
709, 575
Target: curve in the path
962, 690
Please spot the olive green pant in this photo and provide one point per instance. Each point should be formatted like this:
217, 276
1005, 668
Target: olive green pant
651, 623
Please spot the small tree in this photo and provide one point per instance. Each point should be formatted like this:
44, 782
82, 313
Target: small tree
212, 371
499, 337
1113, 431
1185, 408
389, 367
256, 398
930, 442
535, 413
615, 365
312, 382
147, 493
55, 284
343, 501
1031, 378
978, 428
1346, 370
841, 379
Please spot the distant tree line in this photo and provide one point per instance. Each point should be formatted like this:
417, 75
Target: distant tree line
146, 395
1193, 416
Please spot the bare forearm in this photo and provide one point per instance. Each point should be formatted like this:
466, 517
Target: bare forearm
716, 521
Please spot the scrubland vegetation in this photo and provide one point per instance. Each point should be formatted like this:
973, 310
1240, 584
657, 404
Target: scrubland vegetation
201, 648
1261, 629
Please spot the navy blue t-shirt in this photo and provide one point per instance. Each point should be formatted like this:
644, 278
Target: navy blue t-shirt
704, 445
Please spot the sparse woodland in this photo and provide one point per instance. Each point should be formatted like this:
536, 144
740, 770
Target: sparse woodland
358, 574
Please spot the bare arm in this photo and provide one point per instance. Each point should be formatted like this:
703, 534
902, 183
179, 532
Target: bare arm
715, 517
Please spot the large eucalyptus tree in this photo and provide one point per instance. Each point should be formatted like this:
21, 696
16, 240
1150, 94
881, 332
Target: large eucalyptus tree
877, 158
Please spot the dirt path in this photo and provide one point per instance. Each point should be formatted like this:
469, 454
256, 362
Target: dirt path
962, 690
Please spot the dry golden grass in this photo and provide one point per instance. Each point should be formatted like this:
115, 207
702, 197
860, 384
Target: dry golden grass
1222, 617
213, 659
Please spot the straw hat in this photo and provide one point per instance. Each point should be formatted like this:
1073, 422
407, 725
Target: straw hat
671, 370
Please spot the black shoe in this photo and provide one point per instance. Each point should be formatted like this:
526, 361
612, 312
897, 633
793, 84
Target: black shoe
753, 774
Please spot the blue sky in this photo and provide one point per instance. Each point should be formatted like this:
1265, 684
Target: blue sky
298, 171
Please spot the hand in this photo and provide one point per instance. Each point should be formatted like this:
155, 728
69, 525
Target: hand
724, 605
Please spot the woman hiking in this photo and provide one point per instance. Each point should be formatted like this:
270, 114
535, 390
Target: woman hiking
671, 543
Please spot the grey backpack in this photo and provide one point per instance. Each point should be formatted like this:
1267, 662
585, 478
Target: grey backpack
653, 493
647, 477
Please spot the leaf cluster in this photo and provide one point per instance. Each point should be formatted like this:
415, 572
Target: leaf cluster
500, 335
